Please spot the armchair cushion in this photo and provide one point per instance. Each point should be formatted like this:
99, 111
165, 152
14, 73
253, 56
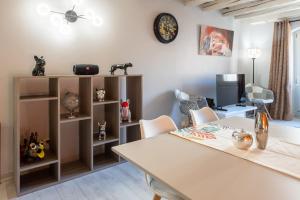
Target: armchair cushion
260, 95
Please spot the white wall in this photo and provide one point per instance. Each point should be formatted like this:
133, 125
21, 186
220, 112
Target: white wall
255, 36
126, 35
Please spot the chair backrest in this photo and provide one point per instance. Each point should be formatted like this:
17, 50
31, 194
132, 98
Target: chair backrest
152, 128
257, 92
202, 116
181, 96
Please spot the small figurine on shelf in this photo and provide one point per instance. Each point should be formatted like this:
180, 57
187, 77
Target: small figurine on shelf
120, 66
32, 149
39, 69
24, 151
32, 152
125, 111
102, 131
100, 95
71, 102
41, 150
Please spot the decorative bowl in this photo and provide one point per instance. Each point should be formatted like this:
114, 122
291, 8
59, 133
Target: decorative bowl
242, 140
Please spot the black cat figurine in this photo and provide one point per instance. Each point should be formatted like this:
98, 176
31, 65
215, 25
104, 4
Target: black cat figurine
39, 69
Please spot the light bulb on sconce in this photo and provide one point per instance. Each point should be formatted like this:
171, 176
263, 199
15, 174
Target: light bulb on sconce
56, 21
98, 21
77, 2
43, 9
89, 15
65, 29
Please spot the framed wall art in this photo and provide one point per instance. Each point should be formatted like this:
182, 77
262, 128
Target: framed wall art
215, 41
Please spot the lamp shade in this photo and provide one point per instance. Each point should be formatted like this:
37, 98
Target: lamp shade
254, 53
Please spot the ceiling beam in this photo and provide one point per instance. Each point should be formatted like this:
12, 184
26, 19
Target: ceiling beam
195, 2
256, 6
276, 10
220, 4
244, 5
272, 17
290, 14
217, 4
236, 3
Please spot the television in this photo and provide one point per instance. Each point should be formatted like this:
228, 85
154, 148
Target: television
230, 89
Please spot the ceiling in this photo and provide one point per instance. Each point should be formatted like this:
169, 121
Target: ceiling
251, 10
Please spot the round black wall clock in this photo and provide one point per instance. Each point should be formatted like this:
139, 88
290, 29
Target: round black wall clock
166, 28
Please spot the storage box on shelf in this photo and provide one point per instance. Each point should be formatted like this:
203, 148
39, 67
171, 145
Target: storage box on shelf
75, 149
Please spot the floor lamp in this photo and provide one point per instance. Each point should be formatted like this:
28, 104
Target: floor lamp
254, 53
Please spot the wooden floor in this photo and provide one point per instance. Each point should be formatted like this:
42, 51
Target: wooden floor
123, 182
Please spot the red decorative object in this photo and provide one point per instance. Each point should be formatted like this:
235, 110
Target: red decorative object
125, 111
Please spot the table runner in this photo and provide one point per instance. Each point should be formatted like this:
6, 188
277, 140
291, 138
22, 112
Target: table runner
280, 155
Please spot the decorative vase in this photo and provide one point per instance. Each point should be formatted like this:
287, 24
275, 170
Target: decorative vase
242, 140
262, 130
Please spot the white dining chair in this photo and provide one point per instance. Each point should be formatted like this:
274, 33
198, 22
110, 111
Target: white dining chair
202, 116
152, 128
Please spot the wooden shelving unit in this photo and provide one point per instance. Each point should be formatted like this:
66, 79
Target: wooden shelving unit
128, 124
73, 169
49, 159
37, 98
38, 178
109, 139
79, 117
74, 146
96, 103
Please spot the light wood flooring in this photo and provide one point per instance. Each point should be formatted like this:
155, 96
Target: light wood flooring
122, 182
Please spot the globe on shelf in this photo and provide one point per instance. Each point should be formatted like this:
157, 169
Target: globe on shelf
71, 103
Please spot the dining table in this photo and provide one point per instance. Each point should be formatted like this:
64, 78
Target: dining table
199, 172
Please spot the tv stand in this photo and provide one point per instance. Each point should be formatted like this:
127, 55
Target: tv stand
221, 109
234, 111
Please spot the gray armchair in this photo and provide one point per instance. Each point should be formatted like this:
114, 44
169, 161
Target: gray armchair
259, 96
189, 102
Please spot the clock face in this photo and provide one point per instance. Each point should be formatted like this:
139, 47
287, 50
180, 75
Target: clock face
166, 28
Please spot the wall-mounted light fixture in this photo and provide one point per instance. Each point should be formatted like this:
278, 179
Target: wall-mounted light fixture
70, 16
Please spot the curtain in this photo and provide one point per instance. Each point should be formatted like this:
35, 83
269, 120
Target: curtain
279, 72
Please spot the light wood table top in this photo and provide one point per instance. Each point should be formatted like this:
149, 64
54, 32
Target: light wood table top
199, 172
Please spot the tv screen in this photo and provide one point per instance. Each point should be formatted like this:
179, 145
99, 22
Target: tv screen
230, 89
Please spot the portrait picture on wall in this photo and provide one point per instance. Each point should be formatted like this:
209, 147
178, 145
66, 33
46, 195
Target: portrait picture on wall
215, 41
